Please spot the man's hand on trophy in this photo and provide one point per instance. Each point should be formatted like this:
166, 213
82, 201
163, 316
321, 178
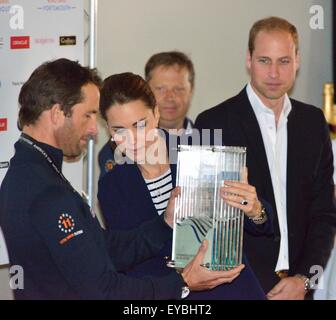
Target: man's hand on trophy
199, 278
242, 195
169, 213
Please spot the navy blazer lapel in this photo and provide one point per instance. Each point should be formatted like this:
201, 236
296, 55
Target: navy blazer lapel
255, 144
293, 140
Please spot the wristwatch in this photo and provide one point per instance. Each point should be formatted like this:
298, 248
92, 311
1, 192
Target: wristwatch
307, 284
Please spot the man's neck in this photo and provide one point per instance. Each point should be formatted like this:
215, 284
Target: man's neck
169, 125
276, 105
40, 135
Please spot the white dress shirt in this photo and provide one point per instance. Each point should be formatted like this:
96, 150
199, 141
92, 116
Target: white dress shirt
275, 142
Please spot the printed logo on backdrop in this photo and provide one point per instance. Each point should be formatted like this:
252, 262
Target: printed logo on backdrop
17, 83
56, 5
20, 42
4, 6
3, 124
44, 41
4, 165
2, 43
67, 40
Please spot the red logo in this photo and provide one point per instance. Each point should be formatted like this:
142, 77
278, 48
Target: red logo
22, 42
3, 124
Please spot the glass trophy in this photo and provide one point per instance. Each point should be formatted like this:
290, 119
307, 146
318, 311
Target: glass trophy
200, 213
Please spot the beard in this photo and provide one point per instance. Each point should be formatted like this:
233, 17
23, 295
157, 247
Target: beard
70, 142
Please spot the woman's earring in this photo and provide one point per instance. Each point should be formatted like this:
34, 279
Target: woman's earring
112, 140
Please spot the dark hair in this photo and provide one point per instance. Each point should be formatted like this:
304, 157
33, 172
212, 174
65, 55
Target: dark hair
59, 81
272, 24
123, 88
169, 59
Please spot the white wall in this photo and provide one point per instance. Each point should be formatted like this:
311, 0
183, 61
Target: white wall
5, 291
214, 33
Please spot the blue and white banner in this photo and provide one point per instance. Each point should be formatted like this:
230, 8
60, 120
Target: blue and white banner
32, 32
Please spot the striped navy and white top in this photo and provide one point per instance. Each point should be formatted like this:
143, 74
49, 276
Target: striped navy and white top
160, 189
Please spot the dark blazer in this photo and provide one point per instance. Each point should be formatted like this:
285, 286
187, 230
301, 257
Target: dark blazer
310, 210
126, 203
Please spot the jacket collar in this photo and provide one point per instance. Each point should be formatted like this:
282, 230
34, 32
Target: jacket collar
55, 154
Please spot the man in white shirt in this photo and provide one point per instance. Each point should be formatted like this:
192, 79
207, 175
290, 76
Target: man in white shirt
289, 158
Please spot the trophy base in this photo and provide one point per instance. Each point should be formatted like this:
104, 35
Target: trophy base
223, 251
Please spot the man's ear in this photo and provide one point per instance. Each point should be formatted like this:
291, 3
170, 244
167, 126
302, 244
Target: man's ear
56, 114
248, 59
192, 90
298, 60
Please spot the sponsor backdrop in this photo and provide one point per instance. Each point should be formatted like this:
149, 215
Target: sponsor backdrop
32, 32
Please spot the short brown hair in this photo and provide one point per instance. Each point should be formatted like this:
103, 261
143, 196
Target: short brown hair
123, 88
272, 24
59, 81
169, 59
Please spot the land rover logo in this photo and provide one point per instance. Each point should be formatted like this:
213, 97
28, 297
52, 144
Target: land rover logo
67, 40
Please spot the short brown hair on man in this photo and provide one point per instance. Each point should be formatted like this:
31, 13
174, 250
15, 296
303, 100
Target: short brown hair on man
272, 24
169, 59
58, 81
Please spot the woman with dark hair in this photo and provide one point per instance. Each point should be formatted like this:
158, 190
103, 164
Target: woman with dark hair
140, 184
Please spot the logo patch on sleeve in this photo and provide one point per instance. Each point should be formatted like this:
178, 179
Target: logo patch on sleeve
67, 224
